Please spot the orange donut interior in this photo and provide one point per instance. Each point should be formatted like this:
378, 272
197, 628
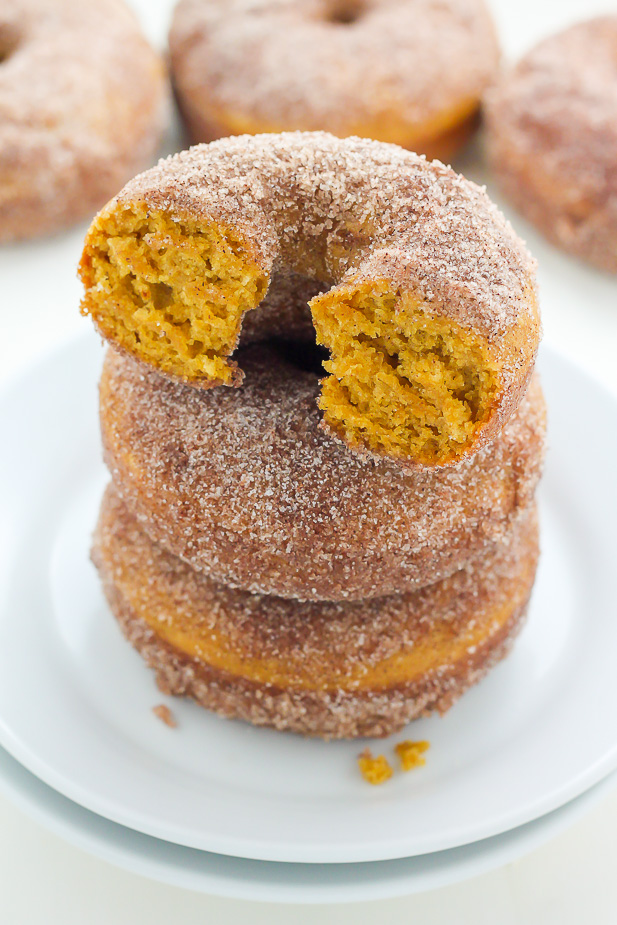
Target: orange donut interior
403, 381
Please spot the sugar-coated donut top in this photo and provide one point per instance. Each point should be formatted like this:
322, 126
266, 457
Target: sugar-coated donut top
320, 63
558, 107
413, 222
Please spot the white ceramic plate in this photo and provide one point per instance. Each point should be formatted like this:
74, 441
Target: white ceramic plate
268, 881
75, 700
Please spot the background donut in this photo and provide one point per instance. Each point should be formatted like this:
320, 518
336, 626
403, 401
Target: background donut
83, 99
411, 72
552, 139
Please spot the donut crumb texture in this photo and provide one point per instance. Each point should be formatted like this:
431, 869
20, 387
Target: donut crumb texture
374, 770
170, 292
411, 754
378, 770
403, 382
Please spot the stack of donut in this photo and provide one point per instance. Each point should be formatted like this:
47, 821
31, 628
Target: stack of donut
333, 532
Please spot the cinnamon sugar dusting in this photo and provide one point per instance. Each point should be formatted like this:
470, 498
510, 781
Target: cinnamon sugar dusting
431, 318
330, 635
246, 486
414, 222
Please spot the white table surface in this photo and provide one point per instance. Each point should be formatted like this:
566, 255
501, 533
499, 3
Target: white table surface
44, 881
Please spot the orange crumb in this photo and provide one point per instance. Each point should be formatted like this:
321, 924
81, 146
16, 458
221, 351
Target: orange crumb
410, 754
374, 770
165, 714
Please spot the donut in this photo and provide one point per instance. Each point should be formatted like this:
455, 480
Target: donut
334, 670
410, 72
431, 320
552, 138
245, 486
82, 105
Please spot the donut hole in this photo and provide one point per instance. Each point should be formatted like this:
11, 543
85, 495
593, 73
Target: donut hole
9, 41
171, 293
402, 382
302, 355
345, 12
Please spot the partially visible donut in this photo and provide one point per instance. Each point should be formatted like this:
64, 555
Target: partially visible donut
411, 72
432, 320
82, 103
552, 139
329, 670
244, 485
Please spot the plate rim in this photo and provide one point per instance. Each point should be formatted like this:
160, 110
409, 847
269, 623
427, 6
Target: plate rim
135, 853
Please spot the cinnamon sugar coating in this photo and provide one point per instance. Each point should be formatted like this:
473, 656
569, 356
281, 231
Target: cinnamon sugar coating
323, 669
316, 202
246, 486
431, 318
411, 72
82, 104
552, 138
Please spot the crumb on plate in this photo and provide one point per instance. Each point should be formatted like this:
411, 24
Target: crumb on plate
411, 754
374, 770
164, 713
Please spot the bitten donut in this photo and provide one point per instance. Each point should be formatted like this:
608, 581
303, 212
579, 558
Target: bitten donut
245, 486
431, 320
330, 670
82, 103
411, 72
552, 139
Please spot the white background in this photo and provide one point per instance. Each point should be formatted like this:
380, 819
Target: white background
46, 882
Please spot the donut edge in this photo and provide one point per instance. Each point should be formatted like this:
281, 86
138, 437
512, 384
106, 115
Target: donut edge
318, 714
